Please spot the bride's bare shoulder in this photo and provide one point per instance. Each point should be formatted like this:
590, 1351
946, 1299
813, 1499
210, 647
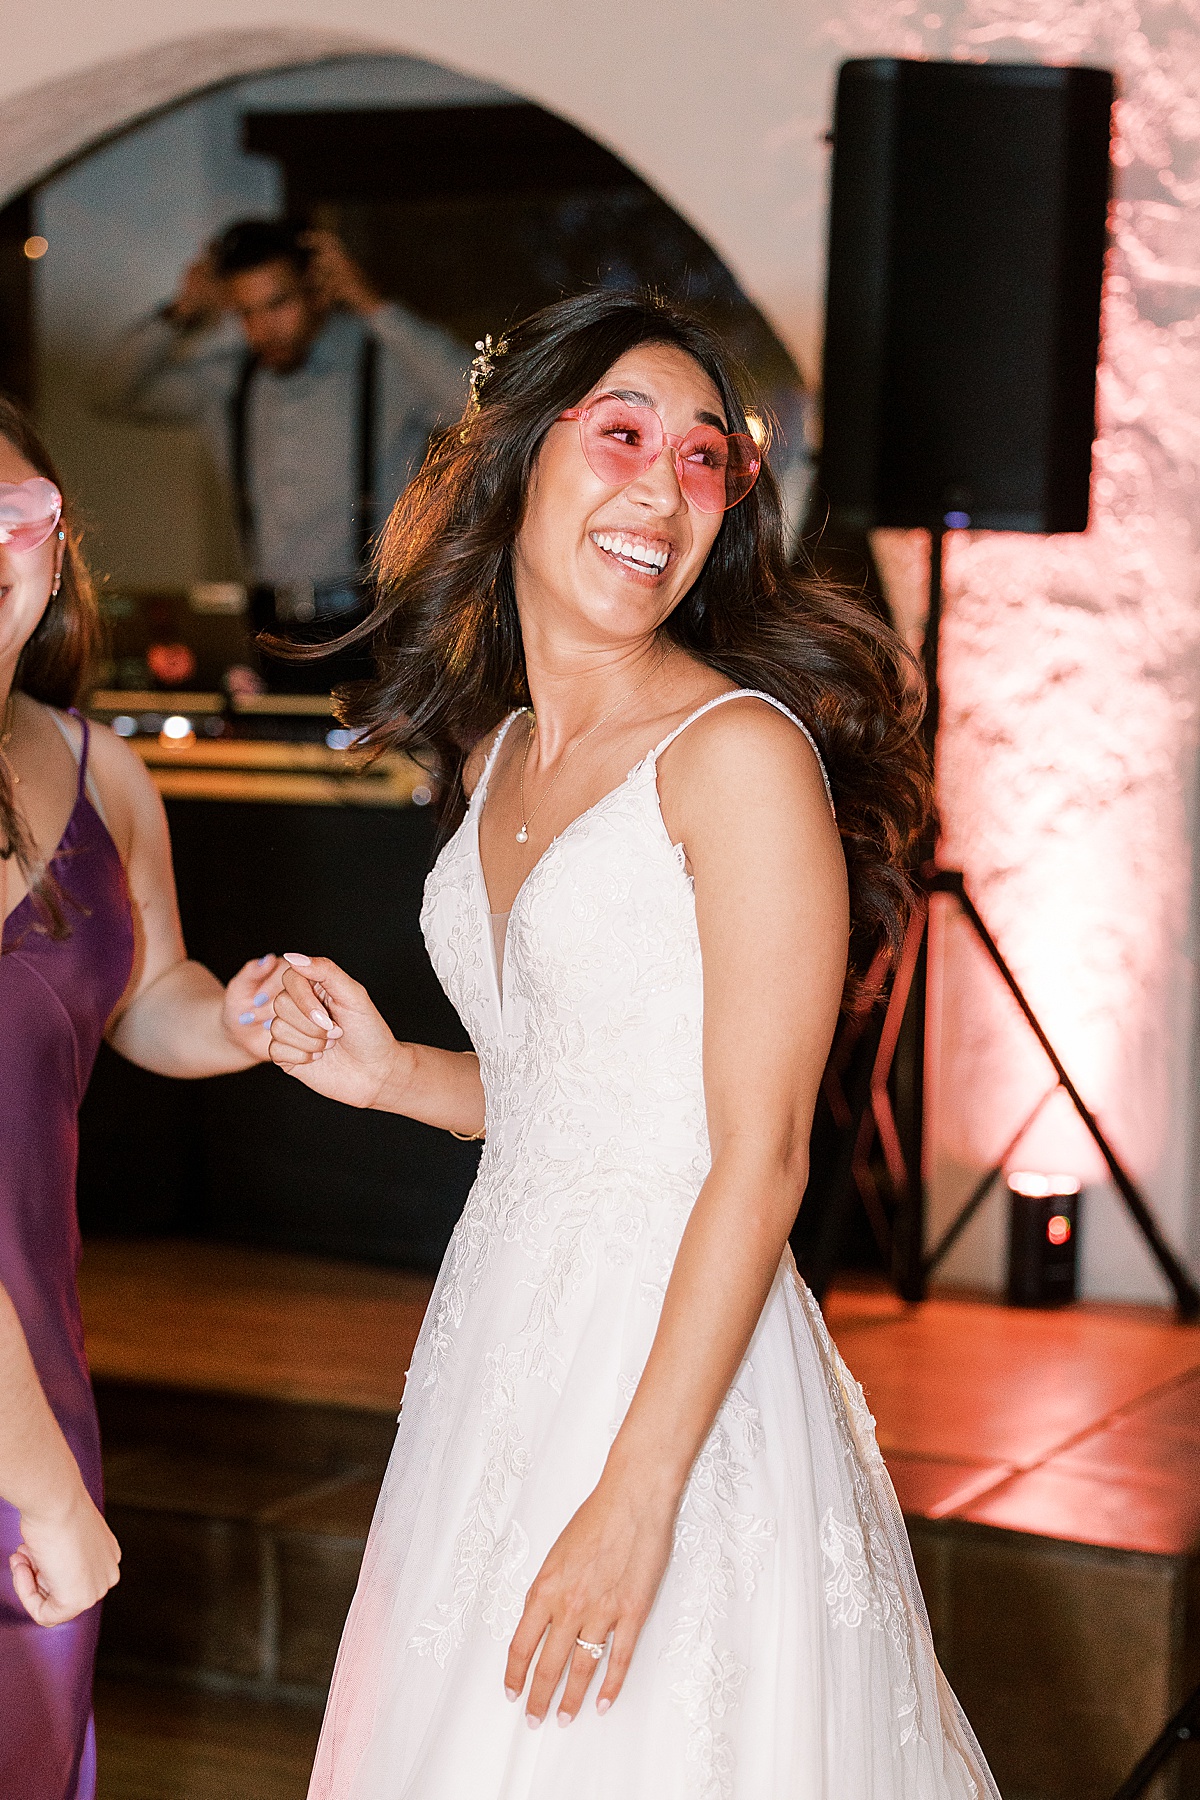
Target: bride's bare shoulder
745, 747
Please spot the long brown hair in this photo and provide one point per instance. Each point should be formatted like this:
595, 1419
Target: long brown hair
54, 666
447, 636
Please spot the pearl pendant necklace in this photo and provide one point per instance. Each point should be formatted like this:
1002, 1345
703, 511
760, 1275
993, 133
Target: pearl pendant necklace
527, 818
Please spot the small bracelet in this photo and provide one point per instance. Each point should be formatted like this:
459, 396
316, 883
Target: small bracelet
468, 1137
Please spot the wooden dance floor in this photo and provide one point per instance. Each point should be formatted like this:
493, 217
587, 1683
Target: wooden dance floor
1048, 1464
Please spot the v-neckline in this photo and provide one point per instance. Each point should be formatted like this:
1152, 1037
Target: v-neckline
53, 857
479, 798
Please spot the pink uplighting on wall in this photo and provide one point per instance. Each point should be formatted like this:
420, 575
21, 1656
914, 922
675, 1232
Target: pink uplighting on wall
1071, 678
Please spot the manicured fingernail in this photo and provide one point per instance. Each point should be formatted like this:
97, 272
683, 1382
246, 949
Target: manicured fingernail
317, 1055
267, 1023
320, 1017
247, 1018
564, 1718
261, 999
297, 959
512, 1693
602, 1706
263, 961
532, 1720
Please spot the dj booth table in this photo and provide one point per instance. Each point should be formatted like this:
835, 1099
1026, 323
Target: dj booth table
280, 845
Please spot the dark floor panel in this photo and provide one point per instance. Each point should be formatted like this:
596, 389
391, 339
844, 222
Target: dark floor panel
165, 1743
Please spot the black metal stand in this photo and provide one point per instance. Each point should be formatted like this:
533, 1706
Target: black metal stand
869, 1111
1181, 1729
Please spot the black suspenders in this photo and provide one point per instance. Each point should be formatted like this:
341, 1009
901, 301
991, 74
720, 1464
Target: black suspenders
366, 435
239, 402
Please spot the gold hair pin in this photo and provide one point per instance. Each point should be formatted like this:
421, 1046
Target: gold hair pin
484, 364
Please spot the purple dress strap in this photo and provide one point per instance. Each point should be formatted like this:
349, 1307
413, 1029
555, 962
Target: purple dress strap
84, 748
56, 997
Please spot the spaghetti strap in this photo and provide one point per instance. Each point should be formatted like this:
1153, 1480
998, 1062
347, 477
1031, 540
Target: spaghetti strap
84, 747
480, 790
86, 784
80, 754
750, 694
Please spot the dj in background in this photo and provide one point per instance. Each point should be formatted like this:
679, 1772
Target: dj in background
317, 395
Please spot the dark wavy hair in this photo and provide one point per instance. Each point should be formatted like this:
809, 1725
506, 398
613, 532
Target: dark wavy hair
55, 666
253, 243
447, 638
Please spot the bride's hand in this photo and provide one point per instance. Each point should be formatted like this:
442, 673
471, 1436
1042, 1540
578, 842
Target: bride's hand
328, 1033
599, 1581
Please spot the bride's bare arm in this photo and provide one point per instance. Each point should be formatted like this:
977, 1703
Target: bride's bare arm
329, 1034
742, 791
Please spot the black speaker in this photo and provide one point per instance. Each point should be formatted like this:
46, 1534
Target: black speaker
967, 235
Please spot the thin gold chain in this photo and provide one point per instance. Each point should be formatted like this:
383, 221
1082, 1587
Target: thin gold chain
528, 818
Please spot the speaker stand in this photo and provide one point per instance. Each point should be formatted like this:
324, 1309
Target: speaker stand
904, 1029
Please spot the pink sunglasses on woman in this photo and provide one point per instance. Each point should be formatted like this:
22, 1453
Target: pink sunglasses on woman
29, 512
621, 441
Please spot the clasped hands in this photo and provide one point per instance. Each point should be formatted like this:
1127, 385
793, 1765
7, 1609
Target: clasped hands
600, 1577
352, 1058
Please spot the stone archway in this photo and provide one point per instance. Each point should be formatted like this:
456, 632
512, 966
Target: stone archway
155, 171
761, 96
63, 116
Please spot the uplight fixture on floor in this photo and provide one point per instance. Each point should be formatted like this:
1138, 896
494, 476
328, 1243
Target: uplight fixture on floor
1043, 1235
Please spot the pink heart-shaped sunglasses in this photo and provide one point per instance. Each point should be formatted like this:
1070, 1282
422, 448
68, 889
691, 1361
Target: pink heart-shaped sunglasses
716, 469
29, 512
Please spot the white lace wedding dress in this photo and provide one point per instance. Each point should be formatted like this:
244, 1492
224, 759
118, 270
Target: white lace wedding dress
787, 1655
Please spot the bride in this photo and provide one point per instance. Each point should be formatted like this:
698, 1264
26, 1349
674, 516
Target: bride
635, 1493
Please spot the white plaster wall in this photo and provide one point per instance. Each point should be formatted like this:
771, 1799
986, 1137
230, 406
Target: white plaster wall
1068, 758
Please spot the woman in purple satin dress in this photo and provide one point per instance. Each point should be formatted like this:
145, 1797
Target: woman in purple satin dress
91, 947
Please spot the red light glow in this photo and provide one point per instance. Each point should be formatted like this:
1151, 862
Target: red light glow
1059, 1229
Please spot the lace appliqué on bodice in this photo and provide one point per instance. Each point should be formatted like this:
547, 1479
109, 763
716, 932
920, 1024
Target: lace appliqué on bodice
589, 1032
597, 1145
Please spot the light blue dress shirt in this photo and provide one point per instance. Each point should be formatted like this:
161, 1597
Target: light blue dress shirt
302, 450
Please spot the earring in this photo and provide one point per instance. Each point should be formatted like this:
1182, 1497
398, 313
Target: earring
57, 584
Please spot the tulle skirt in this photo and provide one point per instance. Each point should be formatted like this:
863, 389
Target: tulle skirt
788, 1653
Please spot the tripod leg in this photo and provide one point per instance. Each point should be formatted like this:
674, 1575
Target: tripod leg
1179, 1730
836, 1193
979, 1192
1187, 1295
904, 1152
868, 1187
